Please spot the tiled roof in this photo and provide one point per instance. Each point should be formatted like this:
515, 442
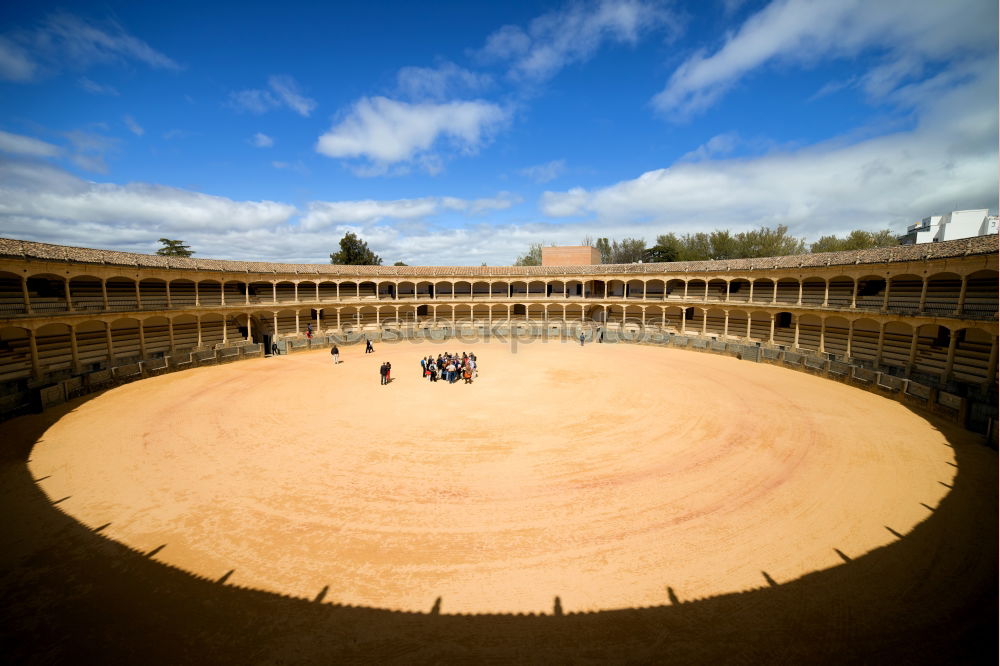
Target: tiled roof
956, 248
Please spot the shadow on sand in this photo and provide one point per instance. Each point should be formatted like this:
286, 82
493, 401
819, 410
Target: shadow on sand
71, 595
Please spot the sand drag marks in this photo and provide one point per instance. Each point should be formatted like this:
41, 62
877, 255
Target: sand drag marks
600, 474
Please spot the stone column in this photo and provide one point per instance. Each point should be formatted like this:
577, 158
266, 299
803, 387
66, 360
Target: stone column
104, 292
249, 328
111, 344
69, 296
750, 297
749, 321
36, 368
770, 337
704, 318
795, 340
822, 334
170, 303
850, 338
912, 357
923, 295
725, 324
170, 333
881, 341
826, 292
854, 294
142, 340
197, 297
885, 298
74, 350
952, 345
774, 294
27, 297
801, 284
296, 316
961, 295
197, 323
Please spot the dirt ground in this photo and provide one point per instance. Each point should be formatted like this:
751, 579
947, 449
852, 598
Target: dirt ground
609, 476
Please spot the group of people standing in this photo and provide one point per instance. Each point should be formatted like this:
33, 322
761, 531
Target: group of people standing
450, 368
385, 371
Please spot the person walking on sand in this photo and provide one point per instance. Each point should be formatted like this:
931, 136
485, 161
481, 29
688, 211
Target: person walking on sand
368, 347
423, 368
581, 338
335, 352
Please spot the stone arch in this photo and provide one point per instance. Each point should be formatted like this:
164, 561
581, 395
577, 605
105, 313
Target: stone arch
156, 332
47, 293
841, 291
212, 326
121, 294
981, 295
836, 330
864, 338
125, 340
153, 293
186, 331
871, 293
54, 351
763, 290
182, 293
739, 290
12, 298
15, 352
209, 293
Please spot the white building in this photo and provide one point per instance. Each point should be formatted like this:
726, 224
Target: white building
950, 226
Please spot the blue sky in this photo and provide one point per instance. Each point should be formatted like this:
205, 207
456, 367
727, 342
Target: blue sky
460, 134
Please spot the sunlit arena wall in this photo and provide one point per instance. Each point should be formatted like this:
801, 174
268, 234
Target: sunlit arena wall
918, 322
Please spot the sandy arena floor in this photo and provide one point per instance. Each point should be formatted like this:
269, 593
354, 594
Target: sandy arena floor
609, 475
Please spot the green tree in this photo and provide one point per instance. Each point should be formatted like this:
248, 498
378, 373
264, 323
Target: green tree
856, 240
400, 263
628, 251
174, 248
533, 257
604, 247
765, 242
354, 252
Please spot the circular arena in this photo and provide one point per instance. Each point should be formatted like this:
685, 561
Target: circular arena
701, 495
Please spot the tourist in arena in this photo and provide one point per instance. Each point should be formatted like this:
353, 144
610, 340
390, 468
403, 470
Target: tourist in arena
368, 347
423, 367
581, 338
388, 372
382, 374
335, 352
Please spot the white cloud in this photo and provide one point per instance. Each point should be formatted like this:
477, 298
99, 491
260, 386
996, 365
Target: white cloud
133, 126
261, 140
15, 63
288, 92
908, 34
47, 195
26, 145
720, 144
320, 214
386, 131
283, 92
948, 160
91, 149
65, 41
96, 88
543, 173
559, 38
437, 83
